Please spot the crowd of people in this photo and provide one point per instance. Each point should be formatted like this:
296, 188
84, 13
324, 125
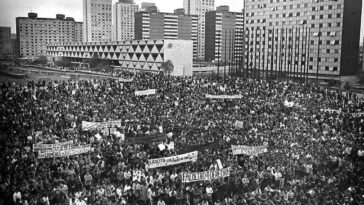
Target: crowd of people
314, 148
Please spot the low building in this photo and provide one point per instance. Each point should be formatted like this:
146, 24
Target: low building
146, 55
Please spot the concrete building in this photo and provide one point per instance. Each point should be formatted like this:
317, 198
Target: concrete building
224, 39
299, 37
124, 20
199, 8
149, 7
146, 55
173, 26
97, 19
35, 33
5, 42
14, 45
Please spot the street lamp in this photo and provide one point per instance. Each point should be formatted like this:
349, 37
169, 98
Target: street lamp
318, 34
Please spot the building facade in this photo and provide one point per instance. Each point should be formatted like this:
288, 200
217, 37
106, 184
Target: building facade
199, 8
146, 55
97, 19
124, 20
149, 7
5, 42
35, 33
171, 26
224, 39
14, 45
299, 37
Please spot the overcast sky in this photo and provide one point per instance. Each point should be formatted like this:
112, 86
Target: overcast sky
10, 9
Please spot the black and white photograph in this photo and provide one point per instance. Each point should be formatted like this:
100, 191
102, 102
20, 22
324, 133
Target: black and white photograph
181, 102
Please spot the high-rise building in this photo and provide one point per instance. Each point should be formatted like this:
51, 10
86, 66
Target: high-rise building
199, 8
156, 26
5, 41
14, 45
300, 38
123, 20
97, 19
224, 35
35, 33
147, 6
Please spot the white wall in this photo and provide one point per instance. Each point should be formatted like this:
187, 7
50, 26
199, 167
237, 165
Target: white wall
180, 52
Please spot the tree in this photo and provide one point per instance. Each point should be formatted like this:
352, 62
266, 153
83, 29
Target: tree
167, 67
63, 62
361, 78
43, 60
95, 61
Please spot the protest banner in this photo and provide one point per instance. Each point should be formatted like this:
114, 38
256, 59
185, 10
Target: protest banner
126, 80
358, 114
239, 124
248, 150
210, 175
224, 96
145, 92
288, 104
146, 139
87, 126
199, 147
331, 111
65, 153
168, 161
59, 146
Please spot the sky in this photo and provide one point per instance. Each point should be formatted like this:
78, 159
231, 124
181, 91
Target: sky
10, 9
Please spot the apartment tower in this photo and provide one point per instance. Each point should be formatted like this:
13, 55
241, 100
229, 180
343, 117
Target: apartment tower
171, 26
224, 39
199, 8
97, 18
123, 20
298, 38
33, 33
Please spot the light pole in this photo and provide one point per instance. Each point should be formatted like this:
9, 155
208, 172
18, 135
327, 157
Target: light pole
318, 54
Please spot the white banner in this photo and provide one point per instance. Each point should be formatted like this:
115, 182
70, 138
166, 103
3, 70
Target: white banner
249, 150
331, 111
59, 146
239, 124
288, 104
64, 153
168, 161
145, 92
358, 114
188, 177
224, 96
87, 126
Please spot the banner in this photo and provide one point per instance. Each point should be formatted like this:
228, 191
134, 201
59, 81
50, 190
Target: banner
248, 150
205, 176
331, 111
239, 124
224, 96
146, 139
87, 126
358, 114
145, 92
59, 146
65, 153
168, 161
288, 104
199, 147
126, 80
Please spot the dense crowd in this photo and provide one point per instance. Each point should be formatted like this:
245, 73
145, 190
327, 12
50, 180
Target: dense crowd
314, 156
